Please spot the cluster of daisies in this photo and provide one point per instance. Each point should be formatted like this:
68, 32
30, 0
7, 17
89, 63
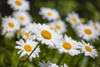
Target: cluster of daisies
88, 32
50, 34
18, 20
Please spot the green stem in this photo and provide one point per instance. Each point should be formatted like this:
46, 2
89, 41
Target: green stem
29, 55
61, 58
19, 63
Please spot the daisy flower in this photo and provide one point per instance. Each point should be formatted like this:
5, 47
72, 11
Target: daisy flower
88, 49
67, 45
59, 26
64, 65
44, 64
73, 19
48, 13
44, 34
8, 34
27, 35
11, 24
19, 4
23, 17
96, 26
48, 64
19, 33
25, 48
87, 32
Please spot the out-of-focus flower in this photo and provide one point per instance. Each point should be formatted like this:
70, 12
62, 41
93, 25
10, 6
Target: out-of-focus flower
27, 47
23, 17
48, 64
59, 26
11, 24
96, 26
73, 19
64, 65
8, 34
27, 35
87, 32
19, 4
44, 64
48, 13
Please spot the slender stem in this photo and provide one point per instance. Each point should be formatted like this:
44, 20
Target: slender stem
61, 58
19, 63
29, 55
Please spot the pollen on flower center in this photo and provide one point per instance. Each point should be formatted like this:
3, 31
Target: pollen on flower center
88, 31
88, 48
96, 28
67, 45
27, 34
11, 24
28, 48
46, 34
18, 32
19, 3
21, 18
49, 13
58, 27
74, 20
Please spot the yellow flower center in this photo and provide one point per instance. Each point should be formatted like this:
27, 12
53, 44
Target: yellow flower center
28, 48
11, 24
46, 34
88, 31
17, 2
96, 28
88, 48
67, 45
18, 32
27, 35
74, 20
58, 27
49, 14
51, 28
21, 18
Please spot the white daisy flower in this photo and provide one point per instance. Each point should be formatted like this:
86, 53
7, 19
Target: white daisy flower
8, 34
67, 45
64, 65
48, 64
23, 17
44, 34
73, 19
96, 26
19, 33
27, 35
59, 26
88, 49
44, 64
27, 47
11, 24
19, 4
48, 13
87, 32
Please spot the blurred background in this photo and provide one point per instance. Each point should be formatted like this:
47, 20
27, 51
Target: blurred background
87, 10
